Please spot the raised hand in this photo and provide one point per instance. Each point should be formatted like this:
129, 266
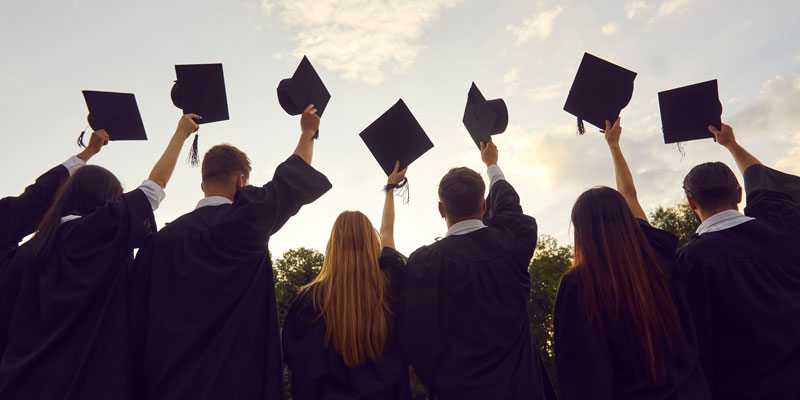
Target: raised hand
187, 125
612, 132
309, 121
489, 153
397, 176
96, 142
724, 136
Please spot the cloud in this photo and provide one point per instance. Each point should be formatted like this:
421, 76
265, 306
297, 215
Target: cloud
774, 114
609, 28
670, 7
634, 8
539, 26
547, 92
360, 39
511, 81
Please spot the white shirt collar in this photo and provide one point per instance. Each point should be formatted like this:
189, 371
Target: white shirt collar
464, 227
213, 201
68, 218
722, 220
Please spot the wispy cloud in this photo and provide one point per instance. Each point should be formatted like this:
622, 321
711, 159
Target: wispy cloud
548, 92
539, 26
670, 7
360, 39
609, 28
635, 8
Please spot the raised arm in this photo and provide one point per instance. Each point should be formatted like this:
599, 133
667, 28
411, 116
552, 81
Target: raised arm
162, 171
625, 184
309, 124
387, 220
725, 137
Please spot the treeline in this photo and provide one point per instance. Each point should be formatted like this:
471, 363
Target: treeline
298, 267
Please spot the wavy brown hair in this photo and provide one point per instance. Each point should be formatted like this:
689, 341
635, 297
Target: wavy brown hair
351, 291
622, 280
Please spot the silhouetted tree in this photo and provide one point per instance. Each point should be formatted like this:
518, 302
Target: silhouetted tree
680, 220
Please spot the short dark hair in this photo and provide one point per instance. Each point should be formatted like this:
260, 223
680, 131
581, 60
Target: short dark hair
461, 192
223, 162
711, 185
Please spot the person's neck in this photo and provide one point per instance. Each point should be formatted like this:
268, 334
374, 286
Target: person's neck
706, 214
222, 193
451, 222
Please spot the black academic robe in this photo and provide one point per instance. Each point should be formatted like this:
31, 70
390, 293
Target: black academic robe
67, 337
464, 324
20, 215
603, 368
204, 314
743, 288
319, 372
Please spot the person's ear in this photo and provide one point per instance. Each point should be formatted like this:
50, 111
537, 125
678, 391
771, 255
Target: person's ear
202, 187
242, 181
441, 210
739, 198
483, 207
692, 204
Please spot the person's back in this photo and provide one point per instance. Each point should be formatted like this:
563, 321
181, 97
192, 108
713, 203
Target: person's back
67, 328
465, 323
340, 335
203, 300
741, 274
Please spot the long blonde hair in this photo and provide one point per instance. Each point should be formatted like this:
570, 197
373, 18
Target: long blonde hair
351, 290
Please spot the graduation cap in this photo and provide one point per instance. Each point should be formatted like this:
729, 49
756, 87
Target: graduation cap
482, 117
116, 113
599, 92
303, 88
686, 112
396, 136
200, 89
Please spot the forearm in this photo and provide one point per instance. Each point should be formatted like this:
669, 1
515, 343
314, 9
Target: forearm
387, 220
742, 157
165, 165
305, 147
624, 179
86, 154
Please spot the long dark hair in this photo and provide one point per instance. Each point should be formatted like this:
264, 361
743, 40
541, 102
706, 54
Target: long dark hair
87, 188
621, 278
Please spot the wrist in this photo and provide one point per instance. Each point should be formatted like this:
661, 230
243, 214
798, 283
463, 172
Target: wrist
307, 134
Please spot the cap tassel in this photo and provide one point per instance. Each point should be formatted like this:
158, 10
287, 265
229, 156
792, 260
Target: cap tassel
581, 128
316, 135
400, 190
192, 159
80, 138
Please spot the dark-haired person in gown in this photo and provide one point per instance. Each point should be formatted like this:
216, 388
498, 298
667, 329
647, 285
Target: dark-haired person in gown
340, 337
742, 276
204, 315
67, 328
21, 215
464, 325
621, 328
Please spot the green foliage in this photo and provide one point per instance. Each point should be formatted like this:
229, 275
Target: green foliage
295, 269
680, 220
549, 262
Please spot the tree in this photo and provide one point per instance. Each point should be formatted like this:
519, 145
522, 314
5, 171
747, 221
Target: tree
679, 220
295, 269
549, 262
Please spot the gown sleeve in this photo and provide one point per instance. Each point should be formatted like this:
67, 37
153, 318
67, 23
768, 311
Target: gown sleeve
21, 215
585, 366
304, 349
262, 210
503, 210
771, 192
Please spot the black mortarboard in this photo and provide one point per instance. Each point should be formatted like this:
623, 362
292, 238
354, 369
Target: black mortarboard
116, 113
686, 112
396, 136
303, 88
200, 89
599, 92
482, 117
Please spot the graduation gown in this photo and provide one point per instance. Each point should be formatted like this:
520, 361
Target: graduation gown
21, 215
67, 337
743, 288
603, 368
464, 324
319, 372
203, 304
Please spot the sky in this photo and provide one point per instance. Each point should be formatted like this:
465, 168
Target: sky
370, 54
